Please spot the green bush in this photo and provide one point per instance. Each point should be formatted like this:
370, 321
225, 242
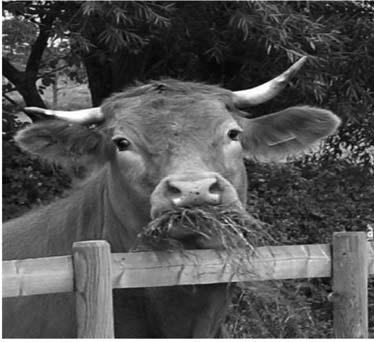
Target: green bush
303, 203
27, 181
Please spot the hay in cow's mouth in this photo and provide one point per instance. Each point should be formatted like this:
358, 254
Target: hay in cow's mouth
231, 228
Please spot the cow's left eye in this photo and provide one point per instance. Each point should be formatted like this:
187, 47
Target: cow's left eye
234, 134
122, 143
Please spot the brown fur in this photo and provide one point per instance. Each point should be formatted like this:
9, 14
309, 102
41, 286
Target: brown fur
174, 128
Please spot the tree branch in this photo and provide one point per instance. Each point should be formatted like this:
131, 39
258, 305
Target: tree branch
52, 71
33, 116
24, 84
9, 90
16, 104
39, 45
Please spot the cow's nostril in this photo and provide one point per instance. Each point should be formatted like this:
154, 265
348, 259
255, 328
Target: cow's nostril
191, 190
173, 190
215, 188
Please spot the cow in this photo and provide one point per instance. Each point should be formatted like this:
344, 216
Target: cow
151, 148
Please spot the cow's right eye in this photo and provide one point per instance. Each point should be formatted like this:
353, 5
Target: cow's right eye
234, 134
122, 143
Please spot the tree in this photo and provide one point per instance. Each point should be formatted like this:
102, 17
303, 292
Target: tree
25, 80
120, 36
236, 44
28, 30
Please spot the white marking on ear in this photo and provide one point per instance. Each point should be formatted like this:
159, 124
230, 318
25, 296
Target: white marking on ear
292, 137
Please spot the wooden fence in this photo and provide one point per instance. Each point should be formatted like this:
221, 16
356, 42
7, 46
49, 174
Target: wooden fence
349, 261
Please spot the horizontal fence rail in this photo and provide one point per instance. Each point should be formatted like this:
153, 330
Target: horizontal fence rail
151, 269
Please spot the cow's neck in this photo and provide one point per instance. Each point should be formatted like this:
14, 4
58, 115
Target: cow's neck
128, 209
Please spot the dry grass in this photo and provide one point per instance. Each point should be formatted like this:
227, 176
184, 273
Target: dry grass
229, 229
233, 228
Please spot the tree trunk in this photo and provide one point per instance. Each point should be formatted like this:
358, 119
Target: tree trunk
25, 81
25, 86
30, 94
99, 77
109, 74
55, 90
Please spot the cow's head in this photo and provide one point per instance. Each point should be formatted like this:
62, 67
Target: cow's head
175, 144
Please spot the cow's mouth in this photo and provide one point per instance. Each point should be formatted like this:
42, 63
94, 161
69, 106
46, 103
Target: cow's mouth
203, 227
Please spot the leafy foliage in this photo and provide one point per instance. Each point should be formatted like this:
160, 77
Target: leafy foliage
36, 47
18, 34
282, 309
128, 25
302, 204
237, 44
242, 44
27, 181
309, 202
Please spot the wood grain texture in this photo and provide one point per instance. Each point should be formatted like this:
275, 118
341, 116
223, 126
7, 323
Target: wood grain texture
152, 269
37, 276
55, 274
370, 258
93, 286
350, 285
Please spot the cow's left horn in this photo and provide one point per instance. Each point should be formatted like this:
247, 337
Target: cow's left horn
82, 116
268, 90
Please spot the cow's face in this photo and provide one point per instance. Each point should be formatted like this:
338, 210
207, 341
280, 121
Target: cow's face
178, 151
177, 144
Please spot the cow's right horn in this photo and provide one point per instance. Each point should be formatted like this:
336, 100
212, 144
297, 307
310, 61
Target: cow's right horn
82, 116
268, 90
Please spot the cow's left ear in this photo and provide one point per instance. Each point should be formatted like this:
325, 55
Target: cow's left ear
287, 133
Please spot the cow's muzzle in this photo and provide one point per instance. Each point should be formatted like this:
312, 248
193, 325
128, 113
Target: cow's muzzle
192, 190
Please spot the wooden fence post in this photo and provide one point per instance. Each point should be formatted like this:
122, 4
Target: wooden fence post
350, 284
93, 285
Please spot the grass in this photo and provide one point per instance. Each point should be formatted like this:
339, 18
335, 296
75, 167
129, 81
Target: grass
231, 228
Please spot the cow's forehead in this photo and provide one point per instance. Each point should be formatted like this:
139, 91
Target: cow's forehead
179, 108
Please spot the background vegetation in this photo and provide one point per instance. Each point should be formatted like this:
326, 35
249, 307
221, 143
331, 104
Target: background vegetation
53, 50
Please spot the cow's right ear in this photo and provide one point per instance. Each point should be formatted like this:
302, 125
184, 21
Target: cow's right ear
66, 144
290, 132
